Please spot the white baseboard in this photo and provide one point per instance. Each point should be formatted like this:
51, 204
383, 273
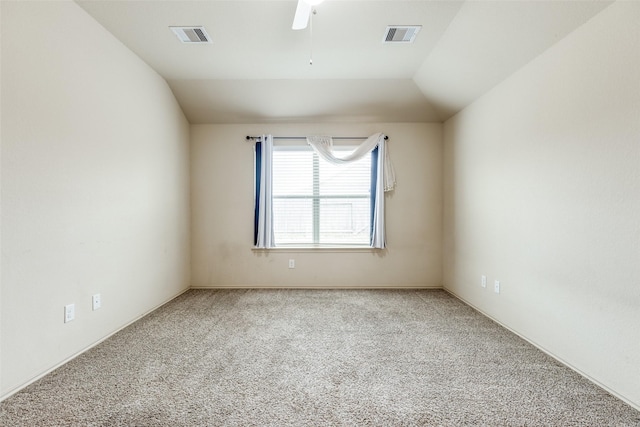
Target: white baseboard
70, 358
409, 286
548, 352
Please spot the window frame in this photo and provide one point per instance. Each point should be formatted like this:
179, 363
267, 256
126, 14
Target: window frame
382, 181
316, 197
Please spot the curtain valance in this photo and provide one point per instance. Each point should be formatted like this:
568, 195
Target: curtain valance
323, 146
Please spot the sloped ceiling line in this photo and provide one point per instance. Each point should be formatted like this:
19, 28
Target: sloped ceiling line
257, 68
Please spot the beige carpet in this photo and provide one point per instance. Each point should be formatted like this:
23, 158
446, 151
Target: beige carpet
314, 358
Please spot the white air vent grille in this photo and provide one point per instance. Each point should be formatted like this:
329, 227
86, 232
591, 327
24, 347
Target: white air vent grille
401, 33
191, 34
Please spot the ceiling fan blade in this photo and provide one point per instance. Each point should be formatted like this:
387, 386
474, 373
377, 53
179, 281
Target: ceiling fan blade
301, 18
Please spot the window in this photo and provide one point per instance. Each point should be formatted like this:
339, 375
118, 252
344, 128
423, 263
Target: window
316, 203
321, 195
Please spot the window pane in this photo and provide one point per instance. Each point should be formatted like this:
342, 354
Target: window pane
345, 221
292, 173
317, 203
293, 221
348, 179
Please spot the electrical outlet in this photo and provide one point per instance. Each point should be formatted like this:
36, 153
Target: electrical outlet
292, 263
483, 281
496, 286
69, 312
96, 302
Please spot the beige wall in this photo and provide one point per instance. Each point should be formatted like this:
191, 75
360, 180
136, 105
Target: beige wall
94, 187
222, 214
542, 192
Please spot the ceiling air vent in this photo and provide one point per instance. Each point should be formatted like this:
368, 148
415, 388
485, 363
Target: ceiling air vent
191, 34
401, 33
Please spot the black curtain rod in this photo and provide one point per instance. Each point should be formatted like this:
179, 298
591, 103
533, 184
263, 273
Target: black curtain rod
304, 137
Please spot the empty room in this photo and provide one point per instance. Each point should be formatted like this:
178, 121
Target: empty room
320, 213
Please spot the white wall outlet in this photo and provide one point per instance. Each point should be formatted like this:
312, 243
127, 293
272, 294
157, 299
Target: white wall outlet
483, 281
292, 263
496, 286
69, 312
96, 302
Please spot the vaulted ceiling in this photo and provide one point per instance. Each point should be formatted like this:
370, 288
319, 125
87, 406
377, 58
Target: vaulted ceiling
257, 70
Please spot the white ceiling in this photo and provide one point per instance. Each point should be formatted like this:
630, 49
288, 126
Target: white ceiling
257, 68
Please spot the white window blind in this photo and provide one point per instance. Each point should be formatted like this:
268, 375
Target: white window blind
316, 203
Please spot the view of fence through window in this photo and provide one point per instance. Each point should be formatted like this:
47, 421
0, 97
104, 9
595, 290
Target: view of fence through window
316, 203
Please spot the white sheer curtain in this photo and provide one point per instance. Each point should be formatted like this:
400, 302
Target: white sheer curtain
385, 175
264, 233
323, 145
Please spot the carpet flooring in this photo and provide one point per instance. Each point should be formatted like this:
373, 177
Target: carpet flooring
314, 358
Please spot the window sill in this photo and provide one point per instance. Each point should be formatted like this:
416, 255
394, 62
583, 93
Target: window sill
299, 249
